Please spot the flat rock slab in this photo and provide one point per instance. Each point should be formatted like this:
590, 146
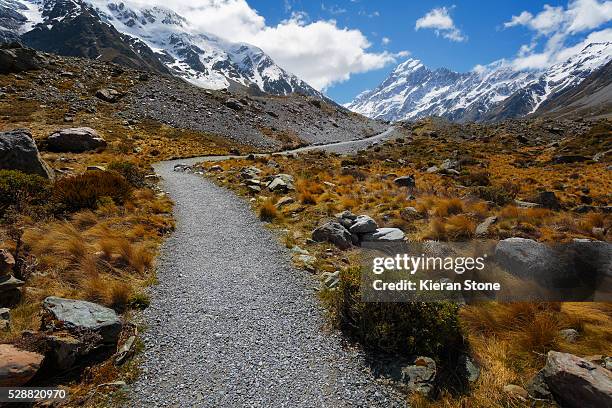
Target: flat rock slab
17, 366
576, 382
232, 323
77, 315
384, 235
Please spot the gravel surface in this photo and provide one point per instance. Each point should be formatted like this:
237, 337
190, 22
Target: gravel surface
232, 323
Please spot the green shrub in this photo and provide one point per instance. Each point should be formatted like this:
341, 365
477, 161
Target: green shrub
20, 190
408, 328
86, 190
130, 171
501, 195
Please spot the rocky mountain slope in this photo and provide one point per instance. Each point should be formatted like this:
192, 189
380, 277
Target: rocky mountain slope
592, 97
77, 89
493, 92
154, 38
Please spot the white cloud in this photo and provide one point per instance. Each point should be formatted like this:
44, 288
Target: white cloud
385, 41
439, 20
320, 52
556, 26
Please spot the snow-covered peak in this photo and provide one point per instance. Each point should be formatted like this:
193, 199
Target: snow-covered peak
413, 91
199, 57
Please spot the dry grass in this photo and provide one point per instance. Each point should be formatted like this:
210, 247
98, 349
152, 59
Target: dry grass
509, 340
268, 211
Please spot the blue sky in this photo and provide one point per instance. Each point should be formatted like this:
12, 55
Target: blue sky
346, 46
482, 22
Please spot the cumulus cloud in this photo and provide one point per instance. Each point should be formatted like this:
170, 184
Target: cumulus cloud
439, 20
385, 41
555, 27
320, 52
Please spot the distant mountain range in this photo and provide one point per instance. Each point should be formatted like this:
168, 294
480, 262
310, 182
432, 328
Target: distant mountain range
160, 40
151, 38
494, 92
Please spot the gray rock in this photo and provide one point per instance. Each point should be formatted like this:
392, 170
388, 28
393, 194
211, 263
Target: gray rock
333, 232
576, 382
10, 292
64, 350
283, 201
249, 172
524, 257
384, 235
331, 280
432, 169
569, 158
548, 199
405, 181
75, 140
569, 335
79, 315
234, 104
126, 351
526, 204
420, 376
538, 388
363, 224
469, 369
18, 151
516, 391
482, 229
108, 95
14, 59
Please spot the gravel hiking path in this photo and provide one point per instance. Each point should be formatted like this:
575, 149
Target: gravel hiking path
233, 323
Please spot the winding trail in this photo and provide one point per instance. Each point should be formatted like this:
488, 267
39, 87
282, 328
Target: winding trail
233, 323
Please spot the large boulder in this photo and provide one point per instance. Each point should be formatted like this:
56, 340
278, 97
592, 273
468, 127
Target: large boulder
18, 151
579, 263
384, 235
405, 181
333, 232
17, 367
576, 382
75, 140
524, 257
78, 316
14, 59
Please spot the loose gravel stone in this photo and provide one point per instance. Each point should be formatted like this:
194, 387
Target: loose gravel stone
232, 323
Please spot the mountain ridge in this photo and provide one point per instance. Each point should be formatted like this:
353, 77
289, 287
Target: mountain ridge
155, 38
493, 92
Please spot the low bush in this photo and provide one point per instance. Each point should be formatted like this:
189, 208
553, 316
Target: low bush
268, 211
476, 178
86, 190
410, 328
501, 194
130, 171
19, 190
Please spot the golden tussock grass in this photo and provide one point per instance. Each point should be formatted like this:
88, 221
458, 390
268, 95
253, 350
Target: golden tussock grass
268, 211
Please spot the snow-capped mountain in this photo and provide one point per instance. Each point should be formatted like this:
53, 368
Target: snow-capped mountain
198, 57
495, 91
553, 82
